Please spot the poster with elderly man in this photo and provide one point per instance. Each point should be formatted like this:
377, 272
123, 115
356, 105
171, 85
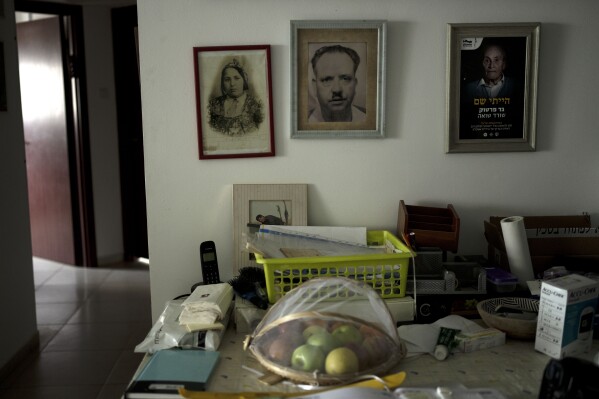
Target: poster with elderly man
492, 87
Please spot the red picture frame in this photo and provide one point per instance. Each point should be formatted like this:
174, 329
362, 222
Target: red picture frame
234, 101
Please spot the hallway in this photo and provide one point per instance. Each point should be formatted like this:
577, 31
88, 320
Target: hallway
89, 320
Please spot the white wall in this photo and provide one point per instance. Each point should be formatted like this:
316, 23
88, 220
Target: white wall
360, 182
16, 270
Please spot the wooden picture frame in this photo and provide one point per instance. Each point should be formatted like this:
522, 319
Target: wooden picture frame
234, 101
287, 203
347, 99
483, 116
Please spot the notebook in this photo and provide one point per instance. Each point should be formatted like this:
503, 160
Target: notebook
169, 369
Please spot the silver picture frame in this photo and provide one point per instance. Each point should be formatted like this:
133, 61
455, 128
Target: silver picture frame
363, 97
480, 118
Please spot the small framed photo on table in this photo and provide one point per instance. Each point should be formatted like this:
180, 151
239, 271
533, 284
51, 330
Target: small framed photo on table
234, 101
270, 204
492, 87
338, 79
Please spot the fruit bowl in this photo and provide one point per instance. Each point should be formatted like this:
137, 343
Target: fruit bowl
324, 348
312, 335
512, 315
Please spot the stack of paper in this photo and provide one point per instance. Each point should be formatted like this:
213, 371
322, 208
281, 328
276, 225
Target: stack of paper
342, 235
205, 308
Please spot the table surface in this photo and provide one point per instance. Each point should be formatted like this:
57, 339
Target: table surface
515, 369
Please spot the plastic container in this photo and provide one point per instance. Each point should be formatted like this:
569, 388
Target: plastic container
386, 273
501, 280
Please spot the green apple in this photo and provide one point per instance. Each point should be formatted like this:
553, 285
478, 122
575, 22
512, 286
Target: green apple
313, 329
308, 358
325, 340
341, 361
347, 333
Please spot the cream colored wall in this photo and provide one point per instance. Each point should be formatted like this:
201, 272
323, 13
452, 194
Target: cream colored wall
357, 181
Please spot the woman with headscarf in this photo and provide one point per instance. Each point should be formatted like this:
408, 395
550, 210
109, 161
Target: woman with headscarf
236, 112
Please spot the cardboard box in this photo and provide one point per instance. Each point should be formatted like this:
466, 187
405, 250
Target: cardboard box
484, 339
566, 311
574, 252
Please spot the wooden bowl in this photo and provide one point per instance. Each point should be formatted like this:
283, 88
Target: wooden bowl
512, 325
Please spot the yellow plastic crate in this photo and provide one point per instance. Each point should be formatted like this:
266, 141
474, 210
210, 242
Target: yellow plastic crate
386, 273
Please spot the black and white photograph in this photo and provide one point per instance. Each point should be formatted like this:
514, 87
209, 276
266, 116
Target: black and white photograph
337, 83
234, 101
492, 87
337, 79
268, 204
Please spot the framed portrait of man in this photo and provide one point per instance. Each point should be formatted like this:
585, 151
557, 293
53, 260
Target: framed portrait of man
234, 101
492, 87
337, 79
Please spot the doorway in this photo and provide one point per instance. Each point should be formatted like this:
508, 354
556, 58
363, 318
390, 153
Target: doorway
53, 90
131, 153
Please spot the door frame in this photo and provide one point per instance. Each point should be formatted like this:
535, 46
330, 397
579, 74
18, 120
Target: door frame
71, 18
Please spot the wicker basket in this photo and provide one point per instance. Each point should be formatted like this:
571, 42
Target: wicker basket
311, 315
390, 354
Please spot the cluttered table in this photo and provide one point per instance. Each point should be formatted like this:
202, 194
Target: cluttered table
334, 289
515, 369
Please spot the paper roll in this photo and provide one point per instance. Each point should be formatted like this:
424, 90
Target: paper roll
516, 246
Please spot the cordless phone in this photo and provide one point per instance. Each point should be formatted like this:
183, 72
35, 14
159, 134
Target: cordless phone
209, 263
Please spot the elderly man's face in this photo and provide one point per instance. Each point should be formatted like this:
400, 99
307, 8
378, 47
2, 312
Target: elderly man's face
493, 63
335, 83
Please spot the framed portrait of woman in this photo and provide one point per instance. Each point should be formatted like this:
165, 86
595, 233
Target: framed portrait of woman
234, 101
492, 87
338, 79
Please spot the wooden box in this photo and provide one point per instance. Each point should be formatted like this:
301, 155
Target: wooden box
432, 227
579, 252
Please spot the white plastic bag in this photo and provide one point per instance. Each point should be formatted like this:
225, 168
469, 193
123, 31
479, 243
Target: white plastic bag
167, 332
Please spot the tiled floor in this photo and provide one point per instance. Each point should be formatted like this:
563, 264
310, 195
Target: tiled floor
89, 320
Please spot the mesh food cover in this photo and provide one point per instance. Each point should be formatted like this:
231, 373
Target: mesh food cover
327, 331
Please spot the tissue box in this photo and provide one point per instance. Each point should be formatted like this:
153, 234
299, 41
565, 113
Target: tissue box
566, 311
484, 339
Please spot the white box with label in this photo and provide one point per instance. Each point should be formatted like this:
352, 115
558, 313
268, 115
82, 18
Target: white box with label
566, 311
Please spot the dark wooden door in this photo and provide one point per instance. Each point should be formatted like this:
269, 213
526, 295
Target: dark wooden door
45, 128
